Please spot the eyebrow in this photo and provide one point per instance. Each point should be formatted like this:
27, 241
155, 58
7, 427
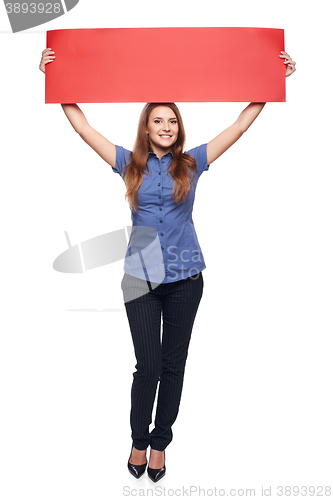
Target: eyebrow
160, 118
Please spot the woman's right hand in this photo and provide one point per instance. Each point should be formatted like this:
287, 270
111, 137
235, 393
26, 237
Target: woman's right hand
47, 57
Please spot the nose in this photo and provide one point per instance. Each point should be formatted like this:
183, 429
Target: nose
166, 127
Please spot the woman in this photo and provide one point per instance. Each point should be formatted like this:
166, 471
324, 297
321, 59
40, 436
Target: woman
163, 280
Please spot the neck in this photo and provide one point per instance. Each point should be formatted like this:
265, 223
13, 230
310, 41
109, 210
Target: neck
160, 152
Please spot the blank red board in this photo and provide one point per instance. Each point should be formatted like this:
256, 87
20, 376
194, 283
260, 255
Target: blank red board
165, 65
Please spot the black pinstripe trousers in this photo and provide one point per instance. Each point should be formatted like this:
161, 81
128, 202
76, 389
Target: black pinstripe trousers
160, 358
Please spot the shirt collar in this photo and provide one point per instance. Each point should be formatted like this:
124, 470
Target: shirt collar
151, 153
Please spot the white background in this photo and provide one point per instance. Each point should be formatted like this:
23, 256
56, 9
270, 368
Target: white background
256, 408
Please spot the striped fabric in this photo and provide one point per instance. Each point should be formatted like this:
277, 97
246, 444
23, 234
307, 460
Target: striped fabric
161, 353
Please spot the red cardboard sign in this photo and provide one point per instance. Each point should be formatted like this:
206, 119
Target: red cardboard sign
165, 65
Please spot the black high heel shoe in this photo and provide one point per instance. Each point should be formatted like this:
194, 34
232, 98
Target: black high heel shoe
156, 474
136, 470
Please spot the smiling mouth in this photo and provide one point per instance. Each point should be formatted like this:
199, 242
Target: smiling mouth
164, 136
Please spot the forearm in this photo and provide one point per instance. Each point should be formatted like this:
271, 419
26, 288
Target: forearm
249, 114
229, 136
75, 116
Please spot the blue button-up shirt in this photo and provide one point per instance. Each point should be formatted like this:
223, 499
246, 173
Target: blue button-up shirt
165, 246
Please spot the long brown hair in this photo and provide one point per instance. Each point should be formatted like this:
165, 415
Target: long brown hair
181, 169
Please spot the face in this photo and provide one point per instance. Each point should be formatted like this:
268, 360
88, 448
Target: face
162, 129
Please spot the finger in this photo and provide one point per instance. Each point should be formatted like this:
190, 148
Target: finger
43, 63
48, 58
289, 61
47, 51
285, 57
283, 52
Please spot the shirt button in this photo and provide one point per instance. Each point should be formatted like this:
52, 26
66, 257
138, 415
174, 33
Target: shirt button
162, 234
159, 173
159, 197
162, 248
161, 220
160, 208
159, 184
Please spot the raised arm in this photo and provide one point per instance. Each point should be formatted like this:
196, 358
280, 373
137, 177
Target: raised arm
104, 148
228, 137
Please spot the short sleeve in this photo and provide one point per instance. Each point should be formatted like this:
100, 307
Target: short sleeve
122, 159
200, 155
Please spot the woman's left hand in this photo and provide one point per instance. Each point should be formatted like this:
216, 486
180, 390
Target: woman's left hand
290, 64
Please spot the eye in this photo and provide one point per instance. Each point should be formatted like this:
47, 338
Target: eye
173, 121
157, 121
